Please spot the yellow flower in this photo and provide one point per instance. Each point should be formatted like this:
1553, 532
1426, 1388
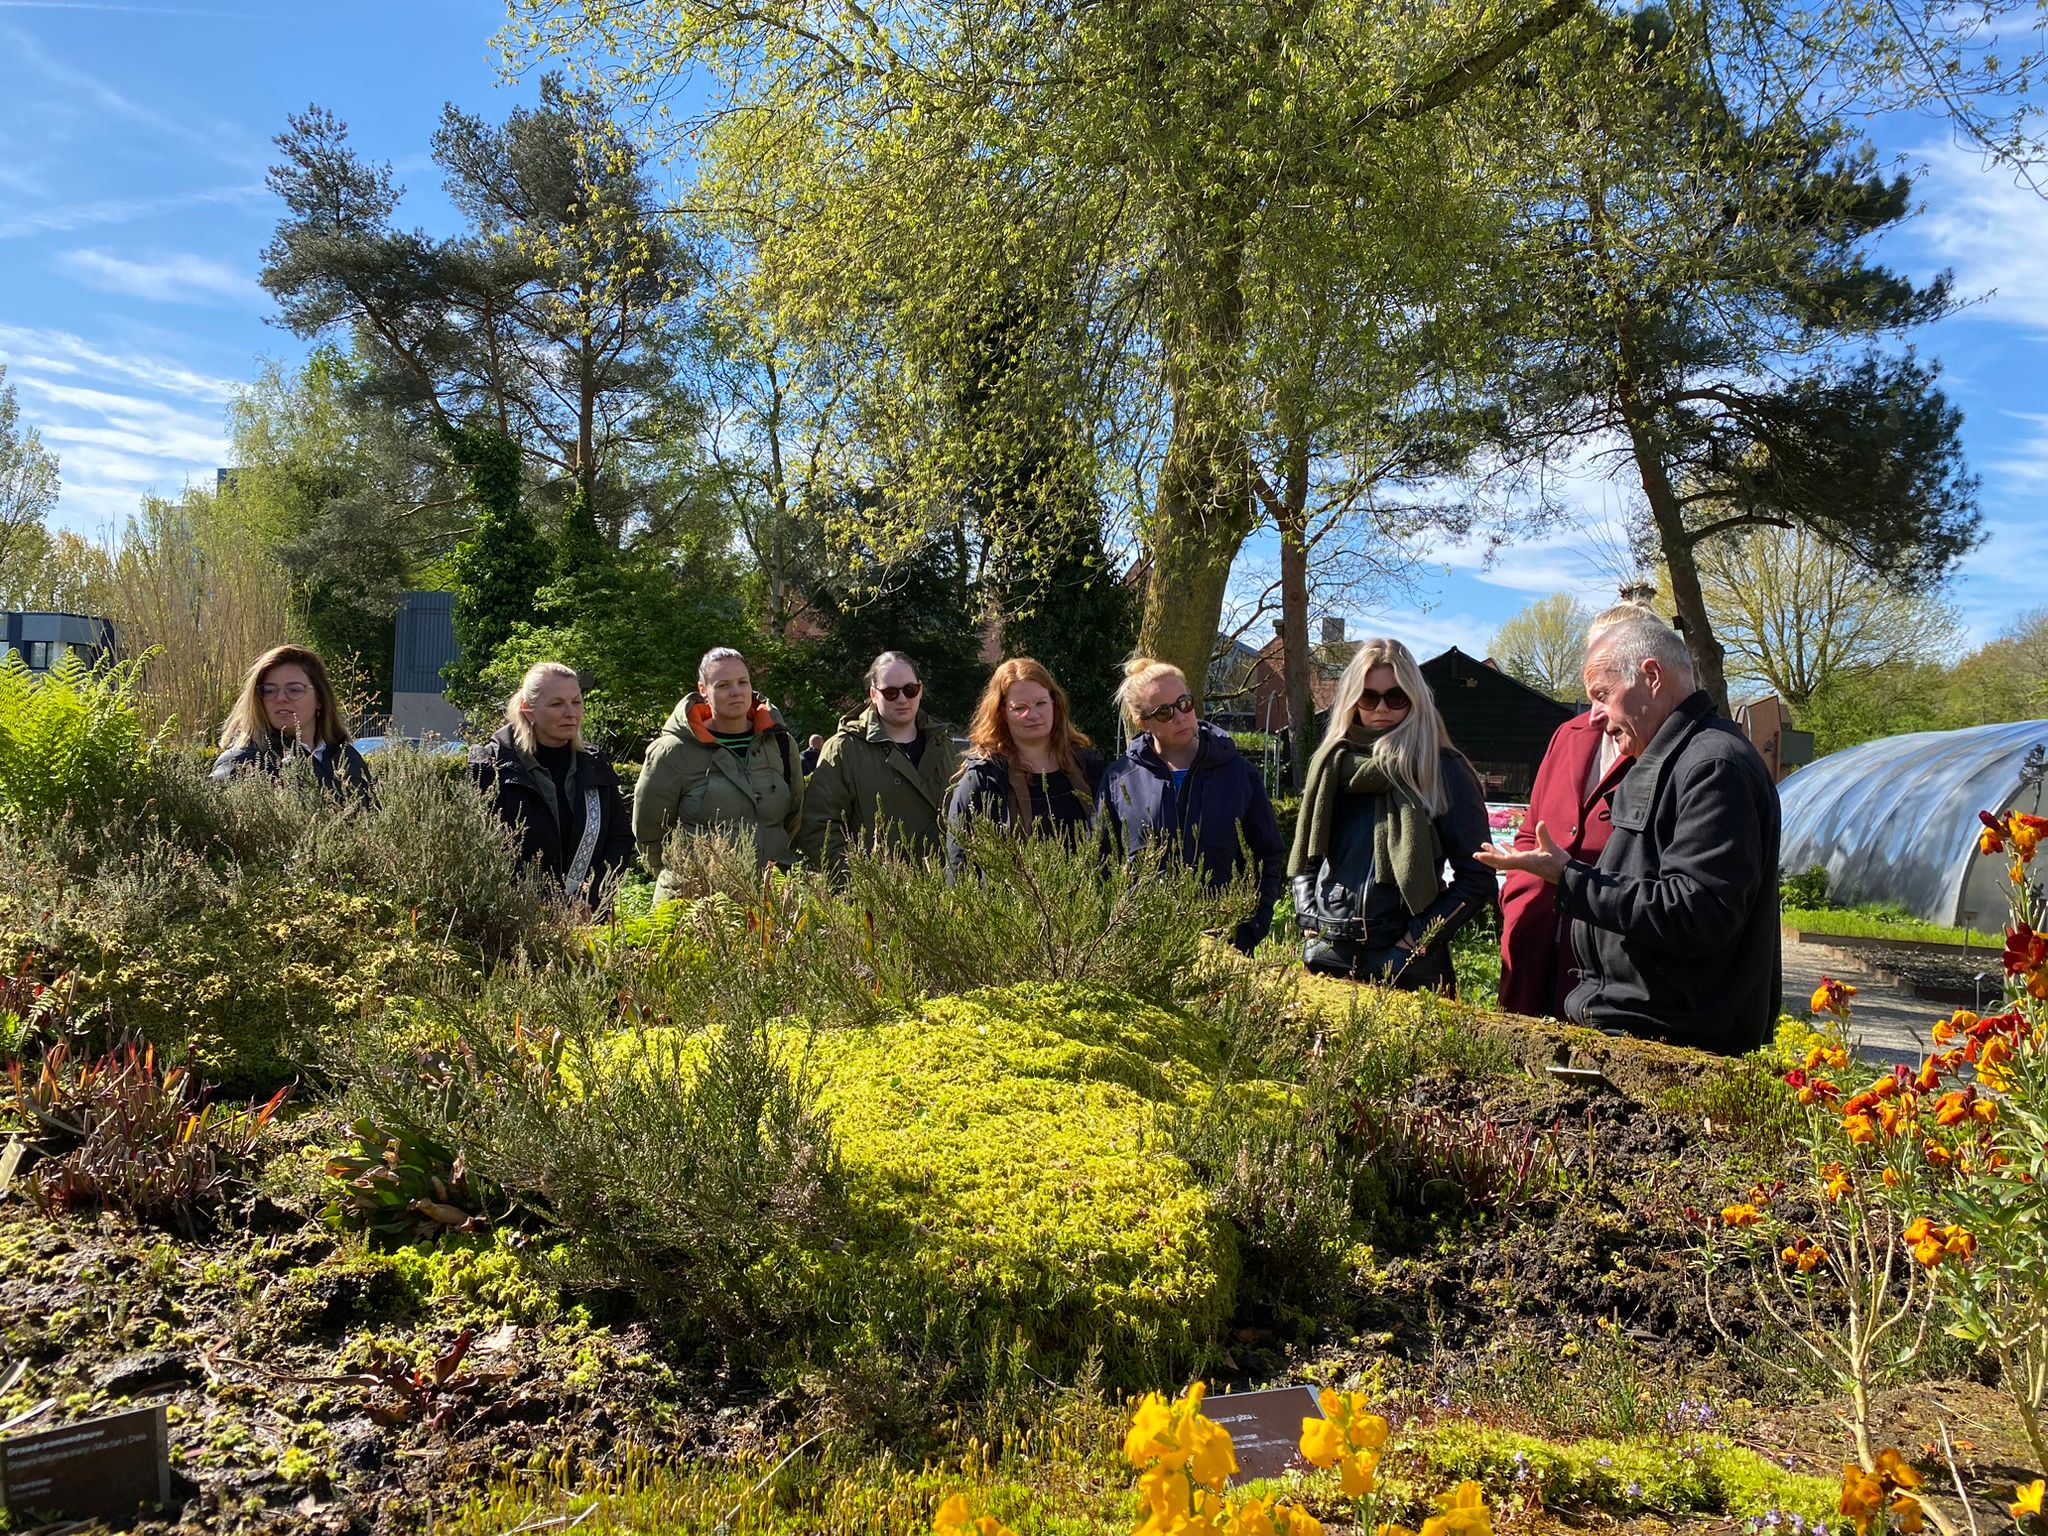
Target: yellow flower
1837, 1180
1905, 1511
1832, 996
1862, 1494
1742, 1214
1860, 1129
1358, 1473
1896, 1471
954, 1520
1270, 1517
1464, 1513
2027, 1500
1175, 1436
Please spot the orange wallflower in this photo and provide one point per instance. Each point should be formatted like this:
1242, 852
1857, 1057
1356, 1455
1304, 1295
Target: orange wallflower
1741, 1214
1832, 996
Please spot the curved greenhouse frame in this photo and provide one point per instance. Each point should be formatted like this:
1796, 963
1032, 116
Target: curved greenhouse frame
1895, 820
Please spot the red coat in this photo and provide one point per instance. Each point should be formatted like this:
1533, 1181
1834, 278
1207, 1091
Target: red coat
1535, 944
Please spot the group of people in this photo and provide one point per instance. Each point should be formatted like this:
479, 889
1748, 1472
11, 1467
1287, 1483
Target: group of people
1653, 913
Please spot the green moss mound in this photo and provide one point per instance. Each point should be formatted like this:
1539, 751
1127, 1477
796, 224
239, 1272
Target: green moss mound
1006, 1170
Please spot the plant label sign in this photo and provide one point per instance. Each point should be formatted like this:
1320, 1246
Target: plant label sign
100, 1467
1265, 1427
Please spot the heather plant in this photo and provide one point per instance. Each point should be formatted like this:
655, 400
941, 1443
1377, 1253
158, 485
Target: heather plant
687, 1166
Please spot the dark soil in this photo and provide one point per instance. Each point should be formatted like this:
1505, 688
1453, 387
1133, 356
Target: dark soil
277, 1342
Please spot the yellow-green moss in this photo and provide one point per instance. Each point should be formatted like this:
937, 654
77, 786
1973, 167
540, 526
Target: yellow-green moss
1003, 1159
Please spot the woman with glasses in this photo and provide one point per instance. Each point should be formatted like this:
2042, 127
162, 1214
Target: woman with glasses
1184, 790
1387, 801
1028, 766
287, 713
724, 759
883, 775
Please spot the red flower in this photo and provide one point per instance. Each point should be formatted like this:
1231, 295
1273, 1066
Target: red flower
2025, 950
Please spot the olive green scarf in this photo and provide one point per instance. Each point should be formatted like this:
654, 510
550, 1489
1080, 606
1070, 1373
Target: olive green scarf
1405, 846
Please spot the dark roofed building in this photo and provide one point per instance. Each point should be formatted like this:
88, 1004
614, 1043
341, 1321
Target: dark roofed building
1503, 725
42, 640
423, 645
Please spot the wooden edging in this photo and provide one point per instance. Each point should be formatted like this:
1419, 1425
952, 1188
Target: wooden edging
1892, 946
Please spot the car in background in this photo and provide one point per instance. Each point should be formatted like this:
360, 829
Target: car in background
370, 746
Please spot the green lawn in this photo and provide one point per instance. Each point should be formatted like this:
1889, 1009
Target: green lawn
1882, 923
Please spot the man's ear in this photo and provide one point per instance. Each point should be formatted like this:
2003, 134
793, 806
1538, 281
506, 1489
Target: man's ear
1653, 673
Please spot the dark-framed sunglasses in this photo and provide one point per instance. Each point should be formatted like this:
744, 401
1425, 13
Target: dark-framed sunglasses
1393, 698
897, 691
1184, 705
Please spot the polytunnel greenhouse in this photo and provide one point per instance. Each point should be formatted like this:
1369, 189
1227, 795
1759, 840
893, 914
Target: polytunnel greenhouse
1895, 820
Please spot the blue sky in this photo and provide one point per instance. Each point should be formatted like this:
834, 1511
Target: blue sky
133, 141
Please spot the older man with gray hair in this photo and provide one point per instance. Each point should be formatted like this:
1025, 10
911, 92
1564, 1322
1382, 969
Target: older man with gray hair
1675, 929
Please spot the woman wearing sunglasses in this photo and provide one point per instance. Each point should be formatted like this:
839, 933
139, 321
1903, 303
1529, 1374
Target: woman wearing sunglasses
287, 713
882, 777
1184, 790
1386, 802
1030, 767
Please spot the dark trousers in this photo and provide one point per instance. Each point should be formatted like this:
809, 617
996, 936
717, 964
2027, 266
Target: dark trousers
1386, 965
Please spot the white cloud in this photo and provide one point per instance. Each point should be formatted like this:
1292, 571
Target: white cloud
177, 278
1992, 230
28, 351
63, 217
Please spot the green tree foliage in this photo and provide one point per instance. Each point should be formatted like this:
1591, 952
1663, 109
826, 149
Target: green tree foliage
499, 566
352, 507
532, 342
1797, 612
1072, 611
1706, 299
28, 489
637, 648
877, 170
1544, 645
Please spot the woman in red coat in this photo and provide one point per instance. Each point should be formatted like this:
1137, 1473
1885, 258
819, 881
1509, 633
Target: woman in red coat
1570, 795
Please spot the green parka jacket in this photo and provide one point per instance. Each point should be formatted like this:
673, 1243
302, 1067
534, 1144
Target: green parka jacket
864, 782
691, 779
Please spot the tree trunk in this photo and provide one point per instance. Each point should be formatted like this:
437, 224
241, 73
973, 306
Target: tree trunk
1296, 661
1673, 538
1677, 547
1204, 508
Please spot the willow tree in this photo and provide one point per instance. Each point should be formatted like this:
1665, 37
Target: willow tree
1172, 169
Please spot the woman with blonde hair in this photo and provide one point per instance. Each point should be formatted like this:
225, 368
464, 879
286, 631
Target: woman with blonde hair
287, 713
1183, 790
1387, 801
1028, 766
559, 795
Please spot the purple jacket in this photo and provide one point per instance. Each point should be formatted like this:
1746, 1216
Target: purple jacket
1222, 814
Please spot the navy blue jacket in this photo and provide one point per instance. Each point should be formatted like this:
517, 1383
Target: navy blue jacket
1224, 800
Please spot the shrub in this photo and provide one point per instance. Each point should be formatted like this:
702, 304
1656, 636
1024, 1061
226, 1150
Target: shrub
690, 1170
1807, 890
71, 739
119, 1132
236, 977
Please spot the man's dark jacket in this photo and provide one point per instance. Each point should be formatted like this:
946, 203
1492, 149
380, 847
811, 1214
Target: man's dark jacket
511, 782
1222, 798
1676, 928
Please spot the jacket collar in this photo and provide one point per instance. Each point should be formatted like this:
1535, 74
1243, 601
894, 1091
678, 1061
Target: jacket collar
697, 712
868, 725
1636, 795
1213, 746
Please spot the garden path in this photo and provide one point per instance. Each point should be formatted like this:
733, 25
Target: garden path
1886, 1023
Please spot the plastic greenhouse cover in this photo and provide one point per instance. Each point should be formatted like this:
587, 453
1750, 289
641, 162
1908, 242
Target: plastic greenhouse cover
1895, 820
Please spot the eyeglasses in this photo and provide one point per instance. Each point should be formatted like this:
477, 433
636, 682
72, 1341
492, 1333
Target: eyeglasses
1393, 698
1029, 709
292, 691
901, 691
1184, 705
